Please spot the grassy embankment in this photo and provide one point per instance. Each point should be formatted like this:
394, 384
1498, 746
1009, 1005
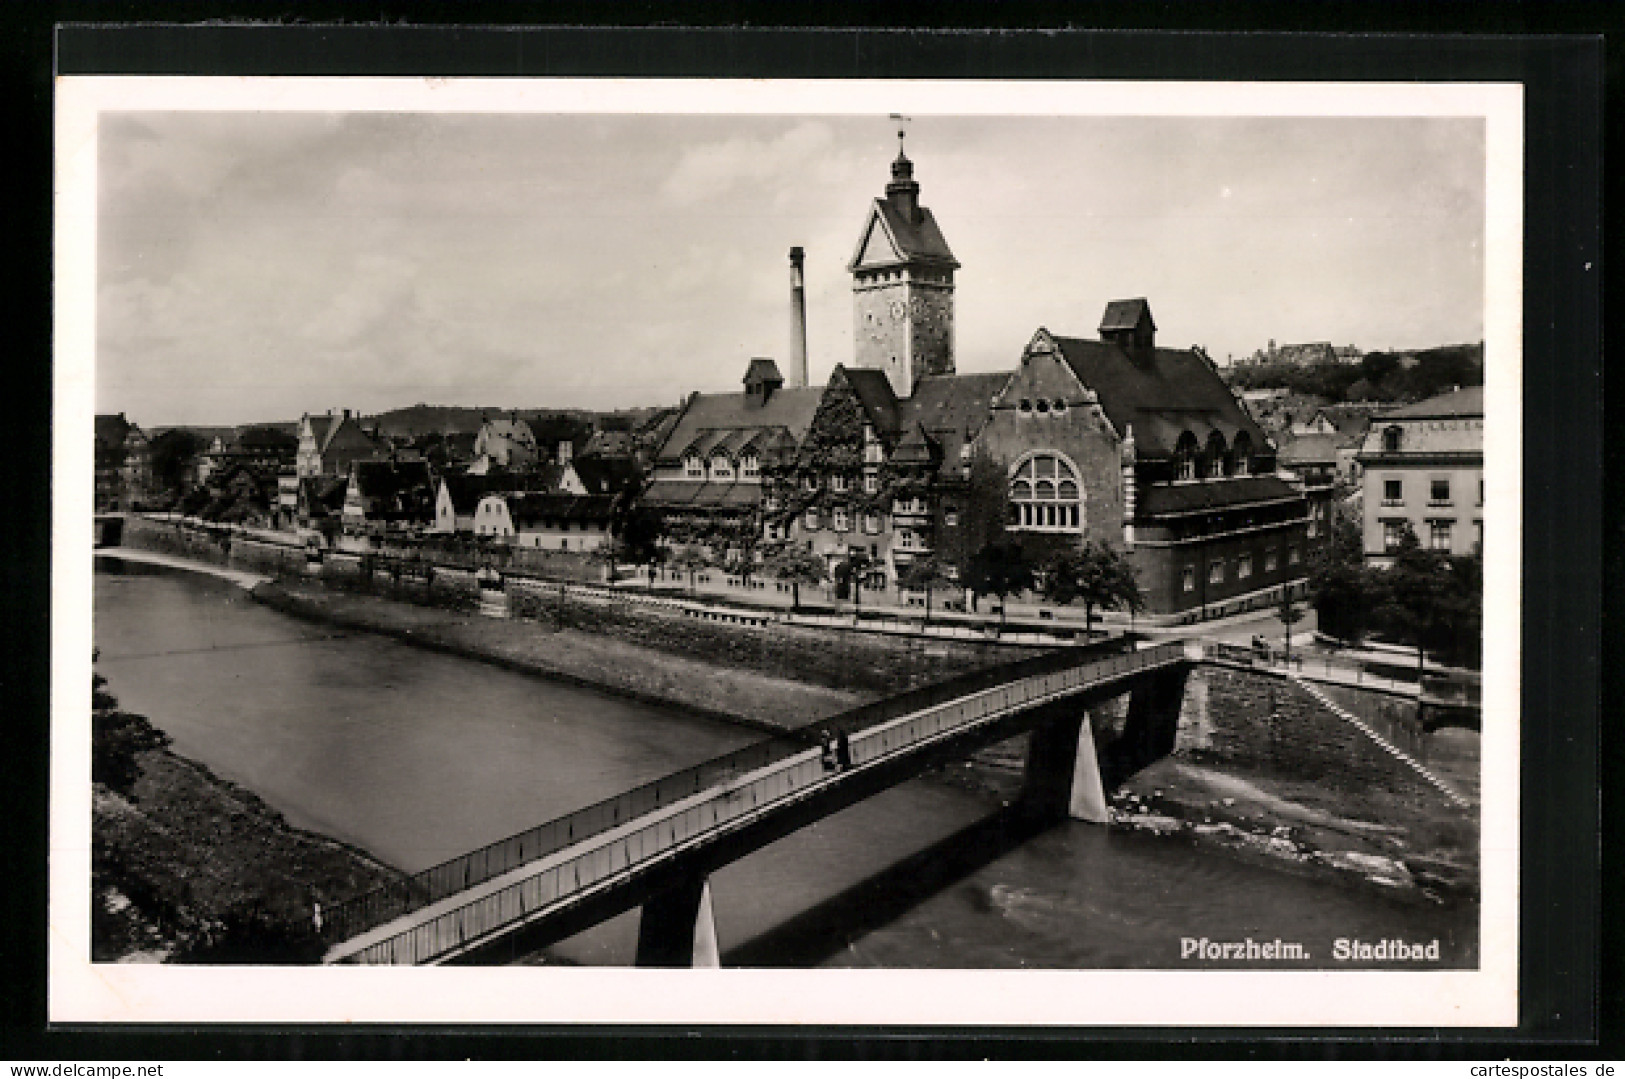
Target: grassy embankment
187, 867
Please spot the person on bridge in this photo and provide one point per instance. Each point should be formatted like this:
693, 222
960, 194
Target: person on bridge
843, 751
826, 751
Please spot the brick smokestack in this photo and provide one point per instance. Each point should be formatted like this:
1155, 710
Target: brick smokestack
798, 321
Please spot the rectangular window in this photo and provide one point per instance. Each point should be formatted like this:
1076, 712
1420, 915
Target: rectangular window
1314, 528
871, 483
1393, 492
1244, 567
1439, 535
1292, 555
1187, 579
1391, 533
840, 519
693, 469
837, 483
950, 517
871, 523
1215, 571
1269, 560
1439, 492
749, 467
810, 522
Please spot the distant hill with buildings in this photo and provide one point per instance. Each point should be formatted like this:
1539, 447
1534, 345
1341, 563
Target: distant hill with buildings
1393, 377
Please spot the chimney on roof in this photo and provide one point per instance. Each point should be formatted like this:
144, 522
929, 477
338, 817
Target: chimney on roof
346, 413
798, 321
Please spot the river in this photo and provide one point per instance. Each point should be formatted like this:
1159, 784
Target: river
416, 756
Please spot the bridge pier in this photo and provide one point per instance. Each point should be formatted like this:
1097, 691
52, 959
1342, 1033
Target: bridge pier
677, 927
1151, 727
1062, 776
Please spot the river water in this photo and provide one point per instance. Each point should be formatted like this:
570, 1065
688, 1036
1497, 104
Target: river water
416, 757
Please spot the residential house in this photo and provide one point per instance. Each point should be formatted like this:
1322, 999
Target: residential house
1310, 460
551, 520
388, 498
1424, 469
707, 477
328, 445
123, 464
505, 443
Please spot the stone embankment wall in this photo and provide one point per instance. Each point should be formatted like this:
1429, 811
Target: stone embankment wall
1249, 722
840, 659
836, 658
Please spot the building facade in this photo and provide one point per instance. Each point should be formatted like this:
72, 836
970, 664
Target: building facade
1423, 469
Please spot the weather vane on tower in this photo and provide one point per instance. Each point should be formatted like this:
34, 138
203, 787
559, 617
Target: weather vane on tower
902, 130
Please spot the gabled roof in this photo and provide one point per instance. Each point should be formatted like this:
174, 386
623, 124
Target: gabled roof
1125, 314
1351, 420
111, 429
874, 393
1163, 393
348, 434
917, 448
952, 409
607, 475
1307, 450
394, 490
714, 413
518, 430
321, 495
466, 491
1464, 402
319, 426
917, 240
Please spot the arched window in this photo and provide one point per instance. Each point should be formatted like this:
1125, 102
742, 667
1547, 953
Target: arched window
1045, 495
1241, 454
1185, 457
1215, 455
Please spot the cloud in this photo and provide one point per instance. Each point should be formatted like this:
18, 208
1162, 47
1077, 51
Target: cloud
715, 169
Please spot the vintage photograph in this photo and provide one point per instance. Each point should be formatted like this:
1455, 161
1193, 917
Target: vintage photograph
914, 534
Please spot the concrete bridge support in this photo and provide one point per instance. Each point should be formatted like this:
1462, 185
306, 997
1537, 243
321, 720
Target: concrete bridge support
1063, 772
1151, 727
678, 929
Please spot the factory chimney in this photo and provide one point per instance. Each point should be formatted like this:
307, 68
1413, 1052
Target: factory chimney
798, 322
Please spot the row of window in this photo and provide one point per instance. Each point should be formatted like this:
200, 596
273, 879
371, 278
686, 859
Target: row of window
1214, 461
1393, 491
1440, 534
721, 467
1042, 406
1217, 568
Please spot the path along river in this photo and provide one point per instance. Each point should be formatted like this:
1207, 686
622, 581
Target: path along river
417, 756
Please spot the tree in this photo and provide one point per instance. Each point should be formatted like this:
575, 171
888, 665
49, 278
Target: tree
691, 559
850, 572
1343, 590
983, 510
923, 575
999, 569
796, 564
1096, 574
1290, 614
170, 454
1416, 595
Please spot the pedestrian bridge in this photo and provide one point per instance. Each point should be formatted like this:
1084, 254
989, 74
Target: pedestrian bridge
655, 846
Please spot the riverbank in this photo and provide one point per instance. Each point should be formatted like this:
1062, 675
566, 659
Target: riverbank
748, 698
188, 867
1288, 806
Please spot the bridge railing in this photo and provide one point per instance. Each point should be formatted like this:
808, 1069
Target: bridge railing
470, 921
356, 916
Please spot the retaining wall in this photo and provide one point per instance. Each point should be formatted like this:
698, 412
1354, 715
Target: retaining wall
1251, 722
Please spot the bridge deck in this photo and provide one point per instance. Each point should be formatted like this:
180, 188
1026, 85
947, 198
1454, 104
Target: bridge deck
558, 879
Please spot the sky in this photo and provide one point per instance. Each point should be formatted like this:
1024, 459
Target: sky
256, 265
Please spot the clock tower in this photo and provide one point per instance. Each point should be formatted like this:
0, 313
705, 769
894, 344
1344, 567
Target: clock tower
903, 287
